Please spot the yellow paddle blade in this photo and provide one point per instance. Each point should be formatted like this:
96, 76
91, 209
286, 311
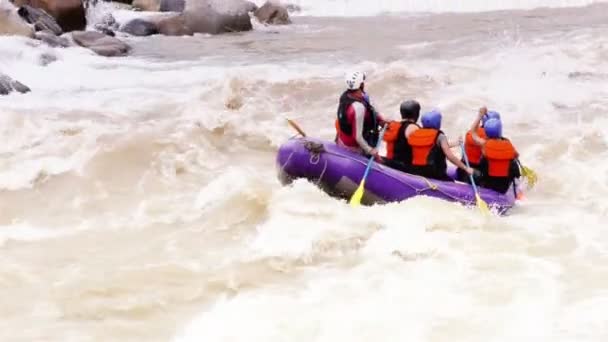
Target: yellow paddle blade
530, 175
483, 206
356, 198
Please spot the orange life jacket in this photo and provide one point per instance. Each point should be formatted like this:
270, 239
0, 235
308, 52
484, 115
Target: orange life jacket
499, 154
425, 151
473, 150
397, 147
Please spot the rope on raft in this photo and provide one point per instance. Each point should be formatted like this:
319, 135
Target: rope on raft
317, 148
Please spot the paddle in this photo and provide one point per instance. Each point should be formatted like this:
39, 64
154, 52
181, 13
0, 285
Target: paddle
483, 206
355, 199
528, 173
295, 126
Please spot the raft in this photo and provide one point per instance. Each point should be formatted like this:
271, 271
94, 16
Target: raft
338, 172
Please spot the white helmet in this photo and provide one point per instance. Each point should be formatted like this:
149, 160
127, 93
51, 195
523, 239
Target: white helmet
354, 79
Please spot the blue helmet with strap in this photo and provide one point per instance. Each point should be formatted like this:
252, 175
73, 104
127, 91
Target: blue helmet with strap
493, 128
489, 115
432, 119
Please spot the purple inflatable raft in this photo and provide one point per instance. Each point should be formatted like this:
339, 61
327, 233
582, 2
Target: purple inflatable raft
338, 172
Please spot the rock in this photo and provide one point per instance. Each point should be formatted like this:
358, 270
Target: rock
105, 30
140, 27
70, 14
12, 24
7, 85
41, 20
172, 5
250, 6
51, 39
100, 43
47, 58
173, 26
210, 16
160, 5
147, 5
291, 8
273, 13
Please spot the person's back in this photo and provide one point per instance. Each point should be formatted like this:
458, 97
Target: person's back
398, 149
430, 148
498, 163
472, 149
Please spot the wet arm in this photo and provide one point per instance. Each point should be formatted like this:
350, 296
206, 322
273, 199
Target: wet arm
476, 138
359, 120
451, 157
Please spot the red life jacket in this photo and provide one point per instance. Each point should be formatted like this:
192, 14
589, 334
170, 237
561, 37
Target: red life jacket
346, 118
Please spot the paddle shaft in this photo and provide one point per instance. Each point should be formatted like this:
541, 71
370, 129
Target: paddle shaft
296, 127
466, 160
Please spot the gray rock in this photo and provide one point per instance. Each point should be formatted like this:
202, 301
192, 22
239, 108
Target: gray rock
51, 39
210, 16
172, 5
292, 8
105, 30
100, 43
173, 26
47, 58
140, 27
7, 85
273, 13
41, 20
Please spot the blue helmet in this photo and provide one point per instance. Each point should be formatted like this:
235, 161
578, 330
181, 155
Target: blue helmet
489, 115
493, 128
432, 119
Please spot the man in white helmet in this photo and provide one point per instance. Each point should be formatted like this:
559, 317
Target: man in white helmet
358, 122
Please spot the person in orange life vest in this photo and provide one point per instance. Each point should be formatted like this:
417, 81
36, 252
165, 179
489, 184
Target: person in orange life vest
430, 147
357, 123
473, 150
498, 164
398, 150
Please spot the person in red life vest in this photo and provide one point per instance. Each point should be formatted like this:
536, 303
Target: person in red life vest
357, 124
430, 147
473, 150
498, 164
398, 149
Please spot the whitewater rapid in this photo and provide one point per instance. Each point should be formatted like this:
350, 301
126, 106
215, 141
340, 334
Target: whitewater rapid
139, 198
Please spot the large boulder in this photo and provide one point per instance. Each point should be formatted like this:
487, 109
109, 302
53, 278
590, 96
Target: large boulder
100, 43
8, 85
51, 39
147, 5
172, 5
174, 26
160, 5
70, 14
273, 13
140, 27
210, 16
12, 24
41, 20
